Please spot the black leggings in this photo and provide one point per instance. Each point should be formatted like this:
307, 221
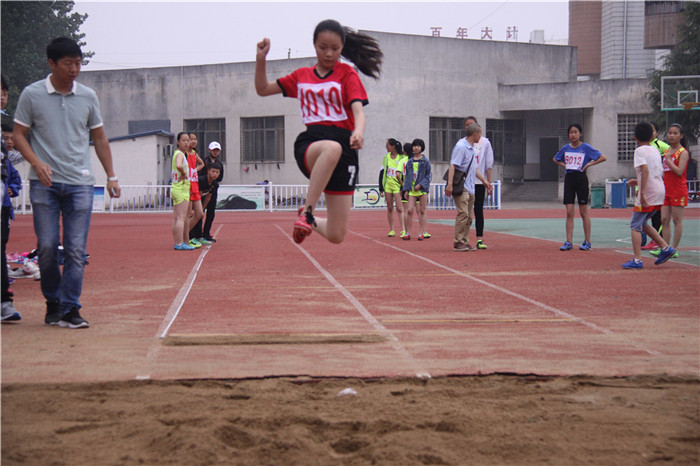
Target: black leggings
479, 197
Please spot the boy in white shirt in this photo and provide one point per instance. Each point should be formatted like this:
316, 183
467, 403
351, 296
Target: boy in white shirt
650, 196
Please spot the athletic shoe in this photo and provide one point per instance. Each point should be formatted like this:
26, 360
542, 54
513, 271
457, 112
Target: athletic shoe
9, 313
652, 245
406, 237
203, 241
461, 247
72, 319
28, 270
426, 235
566, 246
633, 264
303, 226
209, 238
183, 247
195, 244
391, 234
586, 246
403, 232
420, 238
655, 252
53, 314
480, 245
665, 255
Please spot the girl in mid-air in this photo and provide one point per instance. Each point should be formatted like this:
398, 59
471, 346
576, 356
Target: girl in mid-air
332, 97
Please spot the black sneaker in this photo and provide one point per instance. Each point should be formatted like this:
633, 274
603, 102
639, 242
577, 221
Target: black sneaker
53, 313
72, 319
209, 238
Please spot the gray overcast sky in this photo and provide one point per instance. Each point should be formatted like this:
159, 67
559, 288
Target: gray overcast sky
151, 34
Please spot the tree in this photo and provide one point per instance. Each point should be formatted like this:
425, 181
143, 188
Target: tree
681, 61
27, 28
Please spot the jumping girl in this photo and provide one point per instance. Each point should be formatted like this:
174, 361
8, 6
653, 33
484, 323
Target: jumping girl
577, 157
332, 97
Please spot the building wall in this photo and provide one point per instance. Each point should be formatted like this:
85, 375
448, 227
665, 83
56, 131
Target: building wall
596, 105
585, 34
622, 41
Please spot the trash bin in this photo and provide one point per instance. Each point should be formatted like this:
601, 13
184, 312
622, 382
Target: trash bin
597, 197
618, 194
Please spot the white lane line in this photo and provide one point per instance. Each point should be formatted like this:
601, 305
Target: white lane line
378, 327
544, 306
178, 302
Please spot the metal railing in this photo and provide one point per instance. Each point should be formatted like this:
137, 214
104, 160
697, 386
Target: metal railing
156, 198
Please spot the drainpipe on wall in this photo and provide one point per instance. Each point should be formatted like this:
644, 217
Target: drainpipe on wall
624, 47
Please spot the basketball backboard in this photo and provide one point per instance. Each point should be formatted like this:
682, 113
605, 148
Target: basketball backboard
680, 93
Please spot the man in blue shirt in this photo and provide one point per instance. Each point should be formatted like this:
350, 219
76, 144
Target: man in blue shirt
60, 115
463, 159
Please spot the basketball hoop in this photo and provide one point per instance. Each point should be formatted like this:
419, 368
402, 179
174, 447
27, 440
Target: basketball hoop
691, 105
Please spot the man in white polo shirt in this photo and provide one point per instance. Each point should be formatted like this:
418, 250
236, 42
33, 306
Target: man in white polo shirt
60, 116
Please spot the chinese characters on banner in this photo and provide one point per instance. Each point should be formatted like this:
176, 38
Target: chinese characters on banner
486, 33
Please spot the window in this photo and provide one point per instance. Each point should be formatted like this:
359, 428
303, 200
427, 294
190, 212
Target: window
625, 135
262, 139
208, 130
444, 134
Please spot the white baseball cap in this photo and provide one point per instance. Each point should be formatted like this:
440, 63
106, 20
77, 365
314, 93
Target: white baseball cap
214, 145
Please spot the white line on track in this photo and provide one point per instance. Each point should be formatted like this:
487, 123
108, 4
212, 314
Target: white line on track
378, 327
178, 302
541, 305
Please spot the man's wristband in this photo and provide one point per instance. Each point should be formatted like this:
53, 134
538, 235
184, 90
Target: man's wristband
112, 178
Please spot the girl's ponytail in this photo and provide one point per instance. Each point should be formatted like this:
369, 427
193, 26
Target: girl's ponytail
359, 48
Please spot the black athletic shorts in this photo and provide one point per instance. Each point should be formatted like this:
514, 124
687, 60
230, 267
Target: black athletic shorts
576, 186
344, 175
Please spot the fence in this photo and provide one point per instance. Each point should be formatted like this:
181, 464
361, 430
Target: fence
156, 198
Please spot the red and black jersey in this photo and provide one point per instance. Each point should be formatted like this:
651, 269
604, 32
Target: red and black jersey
325, 100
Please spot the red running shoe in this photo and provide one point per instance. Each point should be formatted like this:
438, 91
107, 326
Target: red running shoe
303, 226
651, 245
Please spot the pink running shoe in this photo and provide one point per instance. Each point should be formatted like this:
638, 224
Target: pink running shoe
303, 226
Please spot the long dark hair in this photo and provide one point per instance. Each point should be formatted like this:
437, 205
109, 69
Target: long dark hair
360, 49
393, 142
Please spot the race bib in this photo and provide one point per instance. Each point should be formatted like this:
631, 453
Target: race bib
573, 160
321, 102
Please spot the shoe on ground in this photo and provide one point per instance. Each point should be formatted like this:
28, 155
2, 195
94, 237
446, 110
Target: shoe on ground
210, 238
427, 235
391, 234
403, 233
9, 313
664, 255
633, 264
655, 252
183, 247
480, 245
586, 246
72, 319
420, 238
203, 241
28, 270
566, 246
53, 314
650, 246
195, 244
303, 226
460, 247
406, 237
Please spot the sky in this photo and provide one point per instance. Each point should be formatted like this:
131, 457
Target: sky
135, 34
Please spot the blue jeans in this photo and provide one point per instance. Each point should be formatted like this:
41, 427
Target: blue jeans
74, 204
